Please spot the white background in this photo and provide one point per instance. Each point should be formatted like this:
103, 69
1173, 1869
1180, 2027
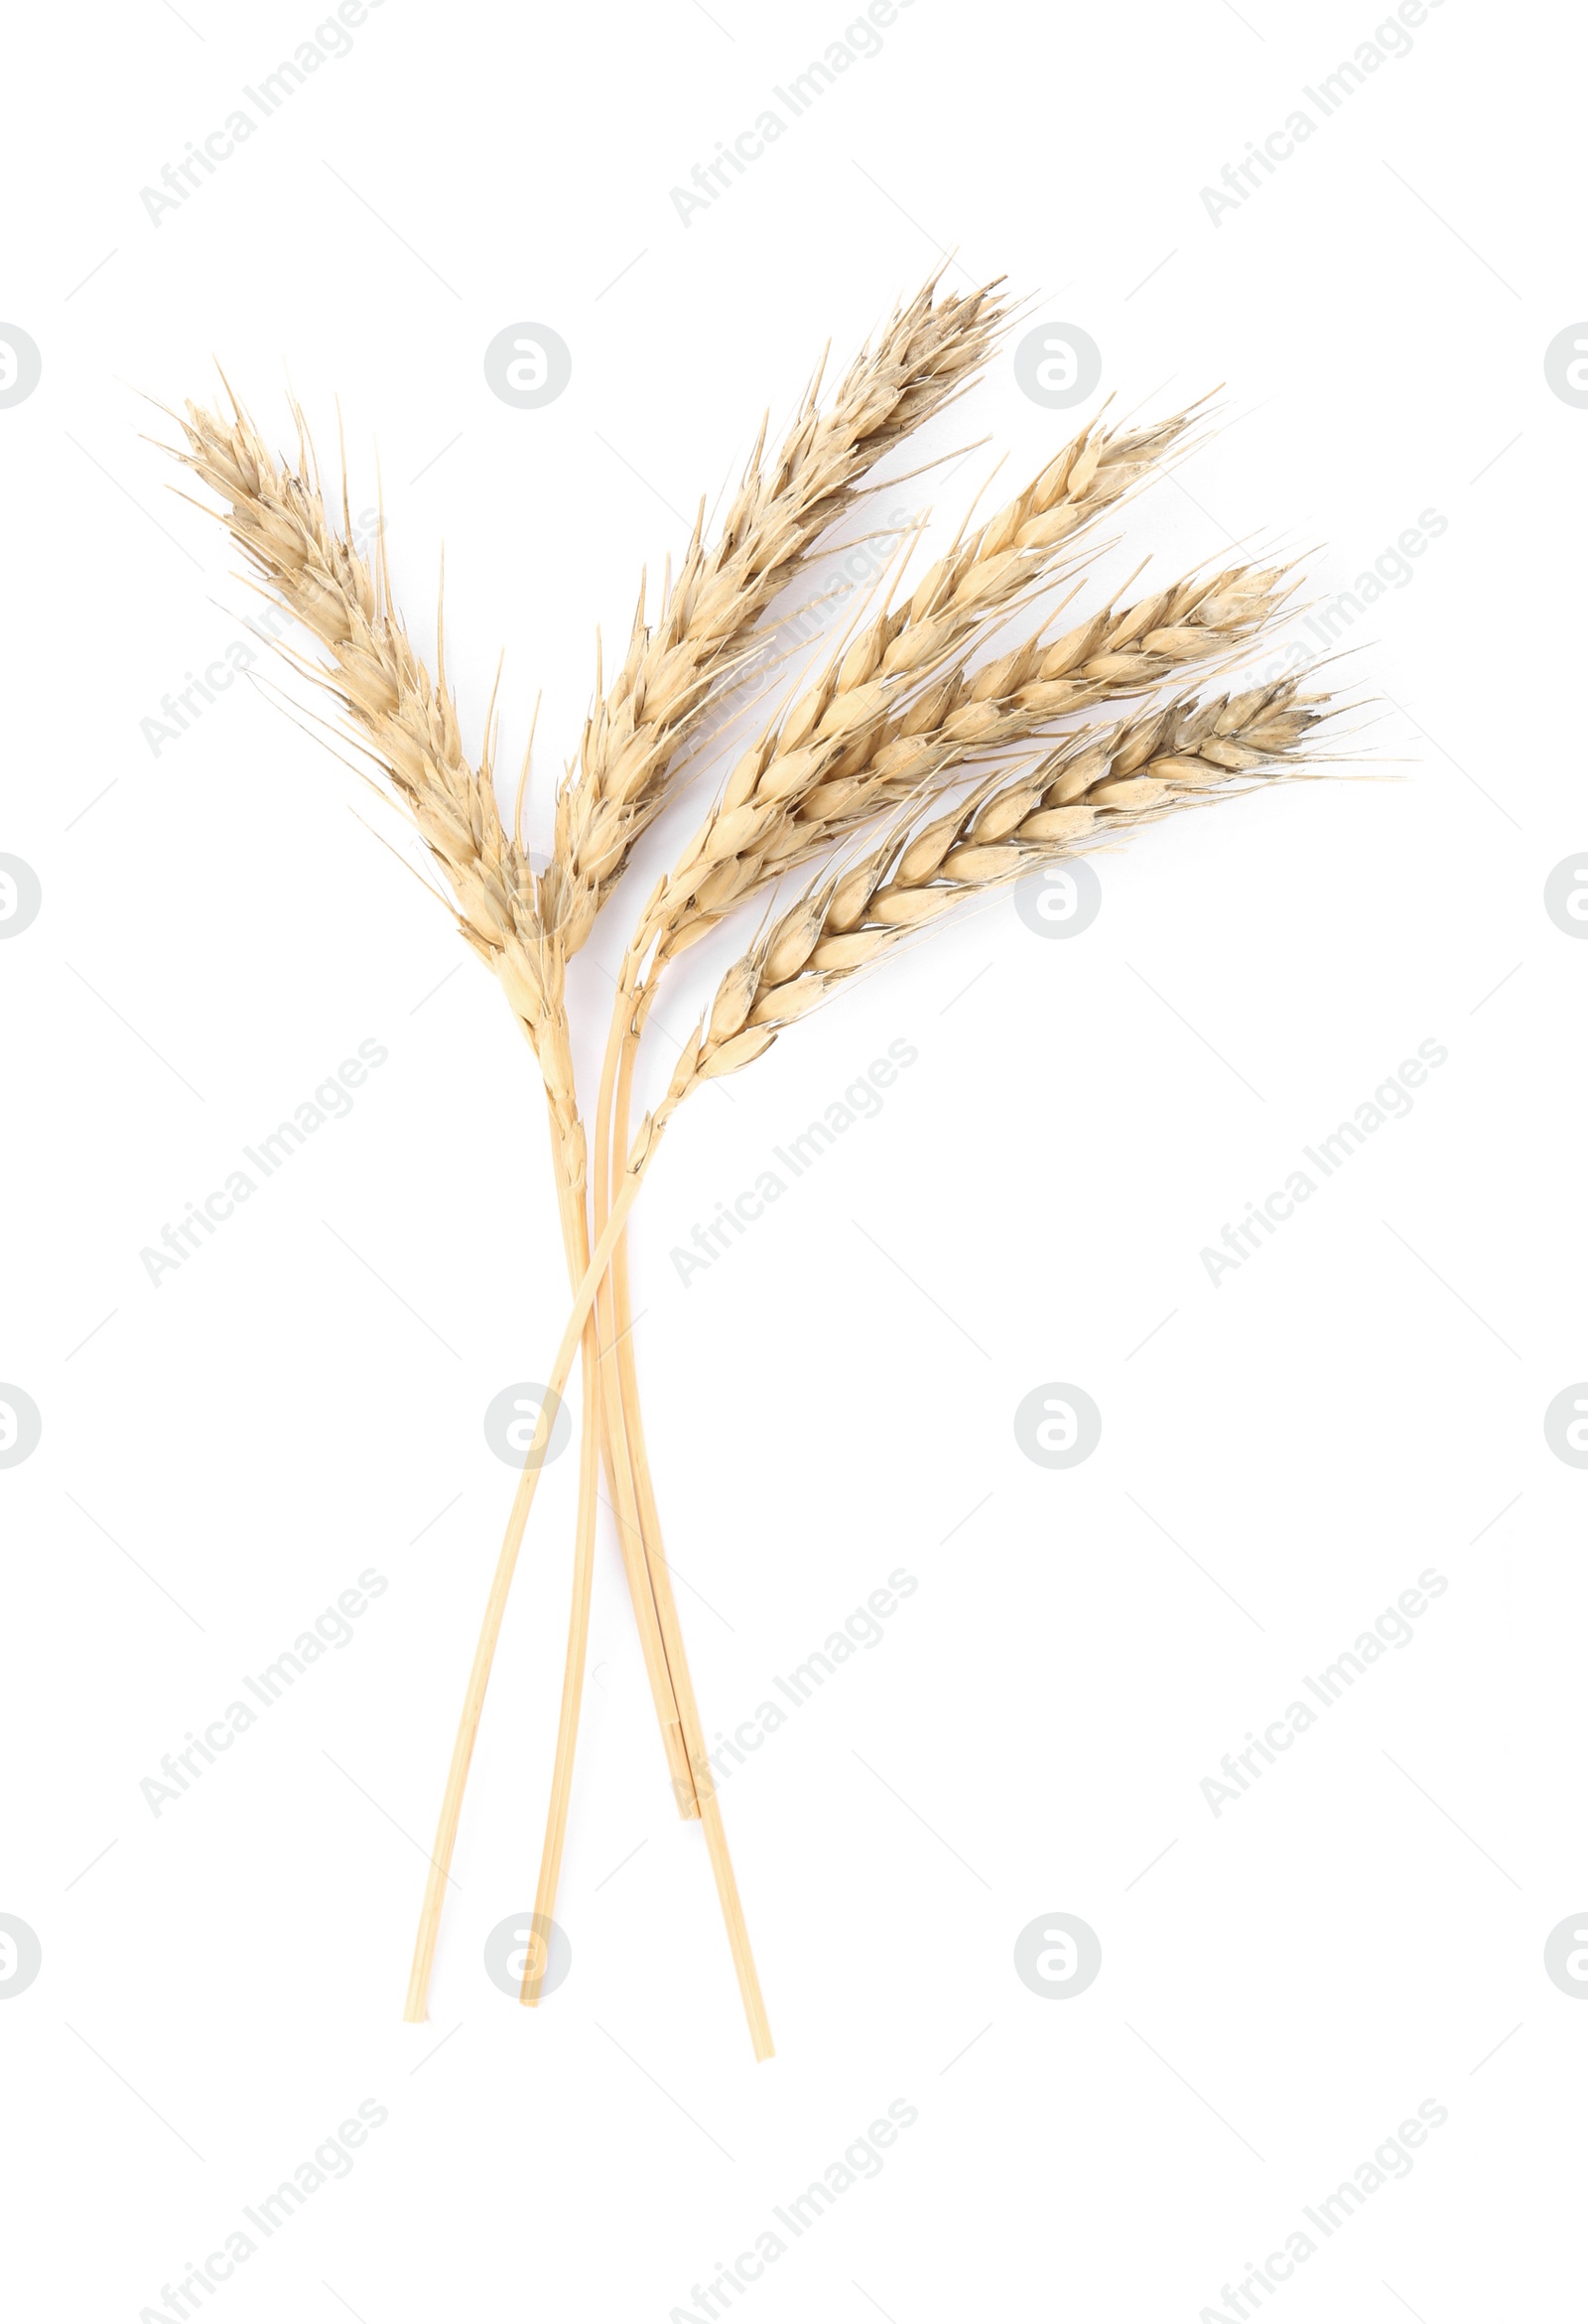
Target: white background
1360, 1933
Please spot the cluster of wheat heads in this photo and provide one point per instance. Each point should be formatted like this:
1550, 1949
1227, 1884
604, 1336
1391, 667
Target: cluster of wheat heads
957, 738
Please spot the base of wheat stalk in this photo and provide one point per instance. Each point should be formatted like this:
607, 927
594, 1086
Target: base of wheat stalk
416, 2008
607, 1366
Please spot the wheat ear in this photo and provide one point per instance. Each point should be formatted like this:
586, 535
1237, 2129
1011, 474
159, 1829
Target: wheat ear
789, 799
925, 357
1187, 752
407, 721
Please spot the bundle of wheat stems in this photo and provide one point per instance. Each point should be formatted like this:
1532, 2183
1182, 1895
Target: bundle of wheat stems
884, 791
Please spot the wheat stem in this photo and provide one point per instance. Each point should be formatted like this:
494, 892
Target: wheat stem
630, 1536
551, 1862
606, 1341
640, 1536
710, 1809
593, 1434
417, 2003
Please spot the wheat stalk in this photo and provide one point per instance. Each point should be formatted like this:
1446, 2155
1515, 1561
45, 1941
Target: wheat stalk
525, 933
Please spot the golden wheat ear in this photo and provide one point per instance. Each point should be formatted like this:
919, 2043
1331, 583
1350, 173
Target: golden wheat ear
1090, 789
405, 720
922, 360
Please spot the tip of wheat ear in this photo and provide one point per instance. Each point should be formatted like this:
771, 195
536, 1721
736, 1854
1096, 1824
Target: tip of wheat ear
921, 361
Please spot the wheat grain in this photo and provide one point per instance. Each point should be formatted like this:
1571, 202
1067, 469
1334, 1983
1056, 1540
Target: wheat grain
407, 720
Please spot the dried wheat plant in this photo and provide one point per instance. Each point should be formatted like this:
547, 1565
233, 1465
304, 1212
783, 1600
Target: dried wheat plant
885, 781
